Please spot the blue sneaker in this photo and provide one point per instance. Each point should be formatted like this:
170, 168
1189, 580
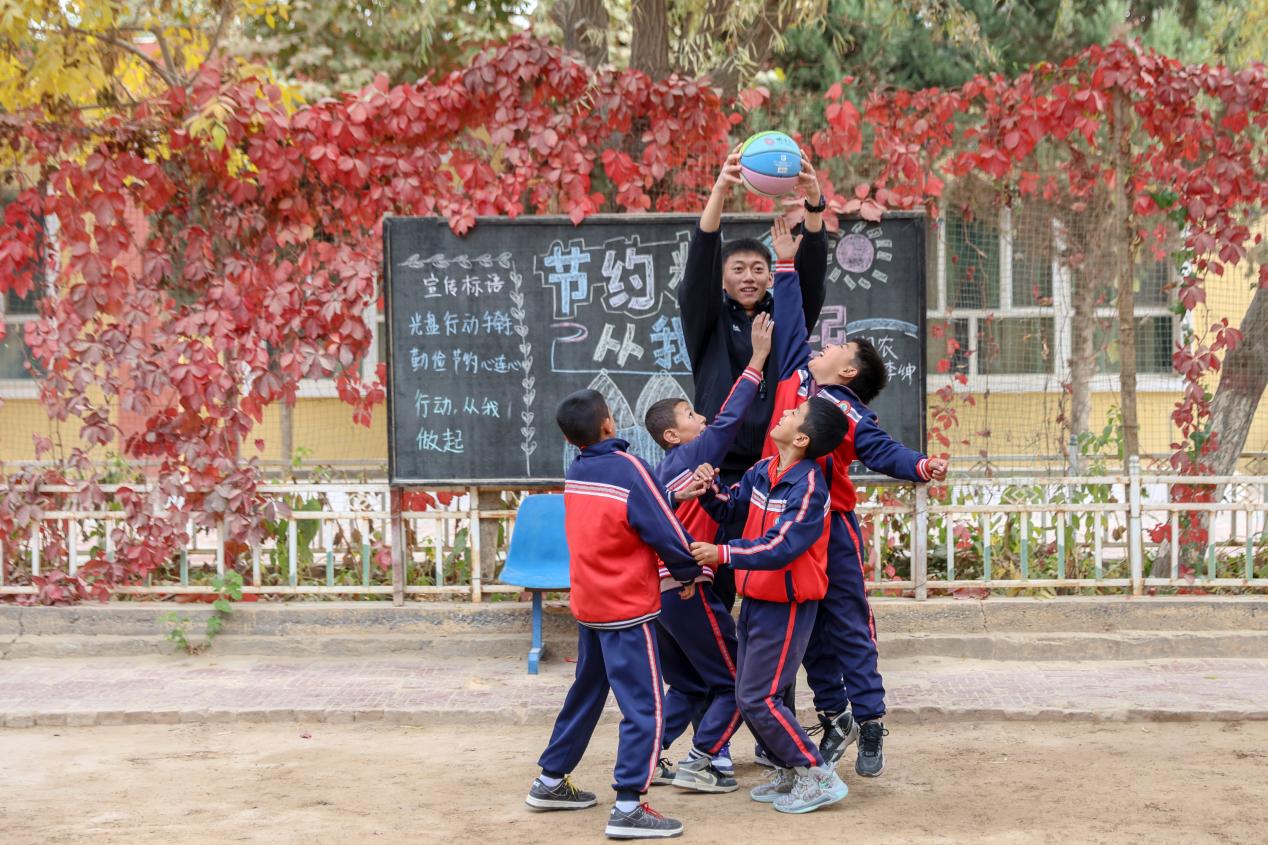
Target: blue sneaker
814, 788
722, 761
760, 758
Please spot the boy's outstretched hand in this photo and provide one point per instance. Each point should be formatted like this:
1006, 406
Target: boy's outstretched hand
706, 473
704, 553
937, 469
763, 328
694, 490
782, 240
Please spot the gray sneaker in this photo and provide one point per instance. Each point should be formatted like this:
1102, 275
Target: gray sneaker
701, 775
840, 731
561, 796
664, 772
641, 823
815, 788
871, 760
780, 783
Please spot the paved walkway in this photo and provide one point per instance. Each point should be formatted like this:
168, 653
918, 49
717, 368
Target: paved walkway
156, 689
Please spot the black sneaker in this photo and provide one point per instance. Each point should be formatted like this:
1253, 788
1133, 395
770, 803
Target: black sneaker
641, 823
664, 772
839, 732
561, 796
871, 759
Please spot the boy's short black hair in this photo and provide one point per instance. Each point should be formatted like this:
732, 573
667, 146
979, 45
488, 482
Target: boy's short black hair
872, 374
662, 416
825, 425
745, 245
580, 417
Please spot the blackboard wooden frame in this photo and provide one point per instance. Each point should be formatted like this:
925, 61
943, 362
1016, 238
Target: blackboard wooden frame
521, 483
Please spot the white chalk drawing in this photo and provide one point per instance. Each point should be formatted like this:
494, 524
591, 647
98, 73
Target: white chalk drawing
832, 326
444, 262
565, 277
670, 348
629, 278
623, 348
863, 257
528, 431
882, 331
629, 422
678, 259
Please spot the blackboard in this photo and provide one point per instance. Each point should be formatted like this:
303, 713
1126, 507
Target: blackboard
486, 333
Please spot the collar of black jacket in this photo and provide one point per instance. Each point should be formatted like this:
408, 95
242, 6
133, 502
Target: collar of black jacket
606, 447
766, 303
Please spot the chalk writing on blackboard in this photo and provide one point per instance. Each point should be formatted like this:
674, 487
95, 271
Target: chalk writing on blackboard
445, 339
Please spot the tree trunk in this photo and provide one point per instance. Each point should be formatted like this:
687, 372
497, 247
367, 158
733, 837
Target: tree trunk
1082, 351
286, 421
1244, 377
585, 28
1124, 241
649, 47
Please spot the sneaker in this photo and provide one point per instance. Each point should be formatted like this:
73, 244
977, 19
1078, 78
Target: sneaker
814, 788
780, 783
871, 759
760, 758
699, 774
722, 761
839, 732
641, 823
664, 772
561, 796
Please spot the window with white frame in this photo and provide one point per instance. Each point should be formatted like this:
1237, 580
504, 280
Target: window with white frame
18, 368
15, 358
1001, 293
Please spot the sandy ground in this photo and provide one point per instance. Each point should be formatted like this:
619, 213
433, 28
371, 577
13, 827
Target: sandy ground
983, 783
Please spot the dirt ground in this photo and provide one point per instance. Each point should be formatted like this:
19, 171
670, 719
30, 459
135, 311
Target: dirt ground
983, 783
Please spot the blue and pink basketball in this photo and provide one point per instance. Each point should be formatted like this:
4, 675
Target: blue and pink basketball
769, 163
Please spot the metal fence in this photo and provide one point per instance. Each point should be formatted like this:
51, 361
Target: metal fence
1089, 535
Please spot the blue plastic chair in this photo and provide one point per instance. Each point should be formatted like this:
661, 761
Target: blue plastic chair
538, 558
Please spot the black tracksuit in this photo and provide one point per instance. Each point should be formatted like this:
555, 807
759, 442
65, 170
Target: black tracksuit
720, 344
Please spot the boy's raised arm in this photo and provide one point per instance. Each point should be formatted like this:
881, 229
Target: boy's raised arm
715, 441
881, 453
790, 343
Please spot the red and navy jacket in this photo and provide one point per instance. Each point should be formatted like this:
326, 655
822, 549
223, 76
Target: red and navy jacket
679, 464
783, 553
865, 441
620, 526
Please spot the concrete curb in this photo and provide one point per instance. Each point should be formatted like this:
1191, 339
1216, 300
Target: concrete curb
1113, 645
1099, 614
911, 714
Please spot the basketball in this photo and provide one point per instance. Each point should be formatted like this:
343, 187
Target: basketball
769, 163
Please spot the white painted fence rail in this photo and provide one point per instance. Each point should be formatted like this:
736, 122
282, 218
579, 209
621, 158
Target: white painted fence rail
1100, 534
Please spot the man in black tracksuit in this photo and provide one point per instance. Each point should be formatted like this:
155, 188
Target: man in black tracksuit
723, 287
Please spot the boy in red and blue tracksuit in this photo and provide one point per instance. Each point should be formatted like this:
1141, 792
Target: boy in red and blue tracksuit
841, 661
620, 528
780, 570
699, 662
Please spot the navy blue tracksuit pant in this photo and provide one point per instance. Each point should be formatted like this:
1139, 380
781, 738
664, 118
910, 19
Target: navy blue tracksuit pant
625, 661
687, 695
841, 659
705, 632
772, 642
